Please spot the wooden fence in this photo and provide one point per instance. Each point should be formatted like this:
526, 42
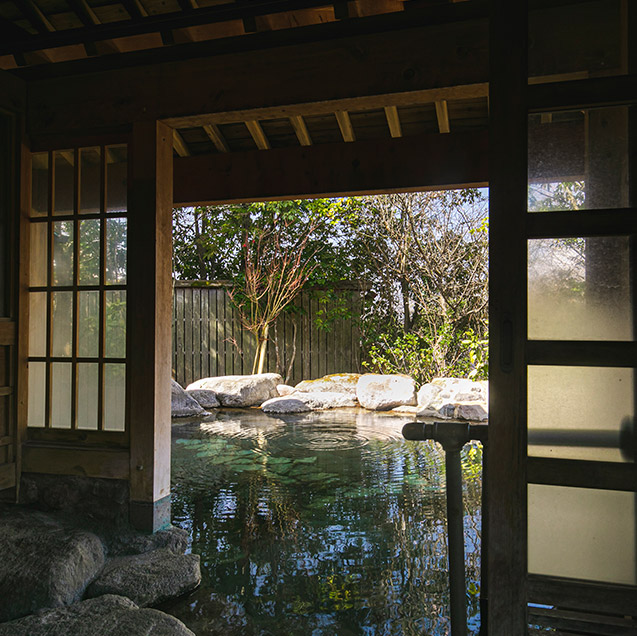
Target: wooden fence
208, 339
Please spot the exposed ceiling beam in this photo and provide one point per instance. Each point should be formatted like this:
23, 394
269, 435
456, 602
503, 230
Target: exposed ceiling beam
135, 9
180, 145
300, 128
442, 115
34, 14
361, 167
258, 135
216, 136
393, 121
345, 125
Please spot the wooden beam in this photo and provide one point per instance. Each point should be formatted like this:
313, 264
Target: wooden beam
393, 121
407, 163
592, 353
7, 332
7, 476
135, 9
435, 56
261, 141
300, 128
345, 125
442, 115
180, 145
38, 20
87, 462
149, 324
13, 93
217, 138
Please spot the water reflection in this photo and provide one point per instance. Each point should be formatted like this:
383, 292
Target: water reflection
318, 524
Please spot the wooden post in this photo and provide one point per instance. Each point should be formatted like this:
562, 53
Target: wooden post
507, 549
149, 324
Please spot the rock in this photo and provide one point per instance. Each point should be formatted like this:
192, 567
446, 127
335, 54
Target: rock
384, 392
175, 539
43, 564
473, 411
411, 410
285, 404
104, 616
241, 390
149, 578
285, 389
334, 383
427, 394
206, 399
460, 389
182, 404
326, 399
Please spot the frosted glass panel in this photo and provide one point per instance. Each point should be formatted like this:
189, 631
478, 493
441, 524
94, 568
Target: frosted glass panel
581, 533
62, 328
87, 396
579, 412
37, 384
64, 180
579, 289
578, 160
116, 173
37, 324
115, 342
90, 252
114, 396
89, 324
63, 252
116, 251
90, 183
39, 254
60, 395
40, 184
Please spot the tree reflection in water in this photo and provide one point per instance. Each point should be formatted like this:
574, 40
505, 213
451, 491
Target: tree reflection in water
320, 524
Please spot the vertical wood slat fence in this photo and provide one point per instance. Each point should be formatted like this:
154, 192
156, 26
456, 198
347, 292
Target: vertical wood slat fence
208, 339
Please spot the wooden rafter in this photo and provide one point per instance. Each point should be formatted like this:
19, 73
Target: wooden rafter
39, 21
300, 128
216, 136
345, 125
393, 121
442, 114
135, 9
180, 145
258, 135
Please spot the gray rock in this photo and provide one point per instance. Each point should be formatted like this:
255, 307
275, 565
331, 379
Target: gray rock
104, 616
427, 394
207, 399
175, 539
285, 405
473, 411
326, 399
182, 404
241, 390
149, 578
333, 383
384, 392
285, 389
43, 564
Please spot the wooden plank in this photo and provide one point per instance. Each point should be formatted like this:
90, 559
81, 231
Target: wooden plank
101, 439
259, 137
305, 339
7, 332
582, 353
506, 593
87, 462
583, 623
442, 115
393, 121
7, 476
582, 474
611, 222
205, 332
300, 128
188, 335
345, 125
150, 304
6, 440
220, 359
13, 95
582, 595
215, 135
417, 162
303, 72
180, 145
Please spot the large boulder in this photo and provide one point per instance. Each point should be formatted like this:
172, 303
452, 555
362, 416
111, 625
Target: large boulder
104, 616
182, 404
206, 399
326, 399
43, 564
384, 392
149, 578
454, 398
285, 404
333, 383
241, 390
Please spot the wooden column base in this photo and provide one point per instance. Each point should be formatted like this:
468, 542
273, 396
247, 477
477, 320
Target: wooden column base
150, 516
